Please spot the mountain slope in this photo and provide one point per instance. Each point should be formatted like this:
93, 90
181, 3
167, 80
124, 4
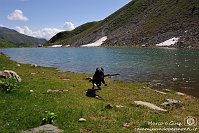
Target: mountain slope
69, 34
145, 22
14, 37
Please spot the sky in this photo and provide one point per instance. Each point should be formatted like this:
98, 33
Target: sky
45, 18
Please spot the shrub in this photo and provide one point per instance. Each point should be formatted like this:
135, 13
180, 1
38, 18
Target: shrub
7, 85
49, 118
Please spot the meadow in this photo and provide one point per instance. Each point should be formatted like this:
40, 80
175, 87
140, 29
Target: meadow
25, 107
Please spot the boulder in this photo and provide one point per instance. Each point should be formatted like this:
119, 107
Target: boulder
10, 74
149, 105
48, 128
171, 103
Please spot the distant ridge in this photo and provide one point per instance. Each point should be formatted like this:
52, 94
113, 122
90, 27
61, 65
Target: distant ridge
141, 22
13, 37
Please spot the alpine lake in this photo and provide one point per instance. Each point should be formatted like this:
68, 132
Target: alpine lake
176, 69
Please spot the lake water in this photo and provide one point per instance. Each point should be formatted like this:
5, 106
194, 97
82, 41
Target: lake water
133, 64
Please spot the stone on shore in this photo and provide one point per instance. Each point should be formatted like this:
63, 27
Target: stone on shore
161, 92
180, 93
10, 74
34, 65
171, 103
149, 105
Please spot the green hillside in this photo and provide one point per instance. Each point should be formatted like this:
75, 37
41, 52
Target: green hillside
14, 37
4, 44
69, 34
142, 22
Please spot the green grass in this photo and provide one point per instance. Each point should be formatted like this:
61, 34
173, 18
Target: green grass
4, 44
69, 34
22, 110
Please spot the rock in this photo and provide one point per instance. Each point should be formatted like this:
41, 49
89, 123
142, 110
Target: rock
82, 120
65, 79
126, 125
109, 106
149, 105
172, 103
48, 128
161, 92
98, 97
53, 91
180, 93
144, 45
33, 73
156, 83
167, 90
10, 74
34, 65
174, 79
119, 106
65, 90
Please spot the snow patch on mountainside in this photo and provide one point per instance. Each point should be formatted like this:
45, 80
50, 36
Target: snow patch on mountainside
169, 42
96, 43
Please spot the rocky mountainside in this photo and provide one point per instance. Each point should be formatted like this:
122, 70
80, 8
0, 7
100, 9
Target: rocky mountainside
16, 38
142, 22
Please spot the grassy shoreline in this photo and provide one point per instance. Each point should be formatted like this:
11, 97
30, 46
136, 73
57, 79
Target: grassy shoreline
22, 109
